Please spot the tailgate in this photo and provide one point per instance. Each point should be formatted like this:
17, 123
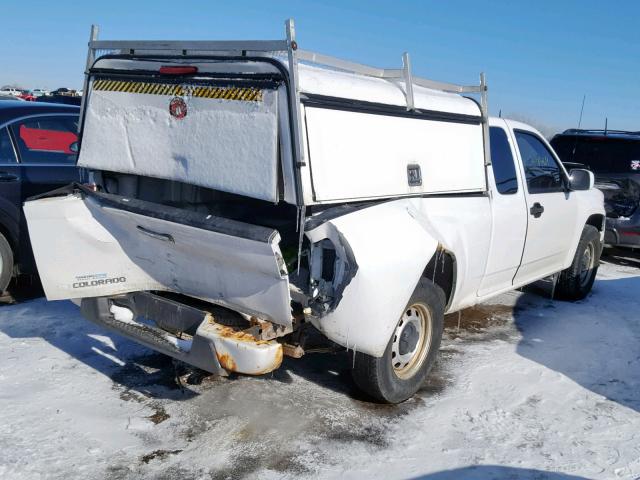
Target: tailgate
93, 244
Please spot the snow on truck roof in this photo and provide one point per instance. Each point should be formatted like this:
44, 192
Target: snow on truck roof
353, 86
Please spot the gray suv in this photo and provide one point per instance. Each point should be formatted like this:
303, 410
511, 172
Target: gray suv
614, 158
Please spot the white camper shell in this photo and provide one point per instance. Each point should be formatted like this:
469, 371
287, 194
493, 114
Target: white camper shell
287, 187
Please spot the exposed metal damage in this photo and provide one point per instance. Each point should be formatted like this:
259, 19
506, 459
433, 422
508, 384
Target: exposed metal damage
332, 266
214, 339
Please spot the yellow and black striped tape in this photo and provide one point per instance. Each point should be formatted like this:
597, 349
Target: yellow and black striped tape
245, 94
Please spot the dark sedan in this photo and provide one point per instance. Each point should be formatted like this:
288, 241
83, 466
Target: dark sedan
36, 156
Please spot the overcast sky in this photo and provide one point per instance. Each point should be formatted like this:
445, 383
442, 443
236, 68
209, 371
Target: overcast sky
540, 57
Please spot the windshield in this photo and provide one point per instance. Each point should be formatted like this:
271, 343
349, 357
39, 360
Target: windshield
600, 154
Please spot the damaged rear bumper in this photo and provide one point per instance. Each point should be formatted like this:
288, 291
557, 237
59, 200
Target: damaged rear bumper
184, 332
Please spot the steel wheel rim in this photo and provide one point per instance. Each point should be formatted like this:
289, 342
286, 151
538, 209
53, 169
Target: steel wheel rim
586, 264
411, 338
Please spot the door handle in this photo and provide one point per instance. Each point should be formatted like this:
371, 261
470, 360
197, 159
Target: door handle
160, 236
536, 210
8, 177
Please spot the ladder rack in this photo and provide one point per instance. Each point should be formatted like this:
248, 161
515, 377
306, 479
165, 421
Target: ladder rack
289, 46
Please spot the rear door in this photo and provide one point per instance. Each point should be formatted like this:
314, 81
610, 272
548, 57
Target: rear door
10, 196
44, 149
551, 209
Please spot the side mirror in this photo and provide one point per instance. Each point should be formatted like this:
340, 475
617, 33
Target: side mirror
581, 179
74, 147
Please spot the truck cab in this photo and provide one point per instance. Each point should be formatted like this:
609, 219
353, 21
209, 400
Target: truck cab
241, 193
538, 216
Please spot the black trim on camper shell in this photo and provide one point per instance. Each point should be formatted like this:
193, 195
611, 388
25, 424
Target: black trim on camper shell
191, 78
361, 106
265, 83
331, 211
323, 212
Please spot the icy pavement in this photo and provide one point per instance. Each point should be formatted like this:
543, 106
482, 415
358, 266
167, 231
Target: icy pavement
526, 388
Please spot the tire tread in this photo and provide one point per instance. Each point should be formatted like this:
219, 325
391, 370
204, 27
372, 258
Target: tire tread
568, 286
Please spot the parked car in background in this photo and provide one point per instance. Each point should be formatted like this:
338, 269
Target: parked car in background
61, 91
61, 99
26, 95
38, 92
11, 91
614, 158
35, 157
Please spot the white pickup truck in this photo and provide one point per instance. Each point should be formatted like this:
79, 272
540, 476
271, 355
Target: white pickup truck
240, 193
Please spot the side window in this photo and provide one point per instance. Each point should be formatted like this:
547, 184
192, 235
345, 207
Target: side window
504, 169
541, 169
7, 155
44, 140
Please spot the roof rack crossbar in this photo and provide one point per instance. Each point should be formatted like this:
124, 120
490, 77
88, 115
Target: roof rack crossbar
191, 45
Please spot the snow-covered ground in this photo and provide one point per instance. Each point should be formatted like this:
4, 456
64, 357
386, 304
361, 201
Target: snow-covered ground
526, 388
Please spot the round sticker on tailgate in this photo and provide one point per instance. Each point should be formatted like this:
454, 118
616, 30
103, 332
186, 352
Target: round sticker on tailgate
178, 107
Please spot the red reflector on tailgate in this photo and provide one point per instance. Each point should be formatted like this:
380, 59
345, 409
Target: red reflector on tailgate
184, 70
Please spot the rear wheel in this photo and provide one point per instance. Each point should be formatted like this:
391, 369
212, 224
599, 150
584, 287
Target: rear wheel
576, 281
411, 351
6, 260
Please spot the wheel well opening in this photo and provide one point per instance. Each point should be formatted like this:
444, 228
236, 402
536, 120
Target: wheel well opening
597, 221
441, 270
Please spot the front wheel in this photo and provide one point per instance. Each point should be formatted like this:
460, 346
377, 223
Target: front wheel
411, 351
576, 281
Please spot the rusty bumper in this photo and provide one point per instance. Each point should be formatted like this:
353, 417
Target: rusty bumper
184, 332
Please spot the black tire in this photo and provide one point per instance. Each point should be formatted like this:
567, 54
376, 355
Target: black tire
387, 383
6, 269
575, 282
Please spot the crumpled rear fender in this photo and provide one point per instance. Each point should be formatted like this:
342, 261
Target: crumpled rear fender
390, 248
